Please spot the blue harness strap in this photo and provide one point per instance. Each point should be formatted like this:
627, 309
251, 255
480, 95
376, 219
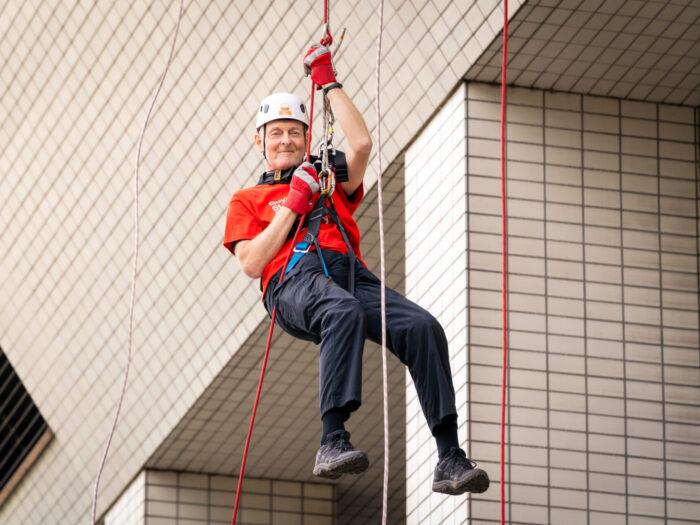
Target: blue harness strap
311, 237
302, 249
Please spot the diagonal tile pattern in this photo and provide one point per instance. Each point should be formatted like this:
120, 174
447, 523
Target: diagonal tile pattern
643, 50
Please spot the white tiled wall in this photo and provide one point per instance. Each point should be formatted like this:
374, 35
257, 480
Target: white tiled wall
603, 306
76, 80
160, 497
436, 244
130, 508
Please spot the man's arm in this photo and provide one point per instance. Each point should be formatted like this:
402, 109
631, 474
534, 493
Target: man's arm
256, 254
359, 140
317, 63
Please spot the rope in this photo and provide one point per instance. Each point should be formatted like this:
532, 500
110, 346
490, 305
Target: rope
385, 491
262, 376
311, 122
327, 123
505, 255
134, 265
274, 310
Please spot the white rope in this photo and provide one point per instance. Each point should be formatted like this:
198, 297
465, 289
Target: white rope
134, 266
385, 492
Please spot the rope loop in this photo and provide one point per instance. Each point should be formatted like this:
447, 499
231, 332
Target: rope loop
326, 37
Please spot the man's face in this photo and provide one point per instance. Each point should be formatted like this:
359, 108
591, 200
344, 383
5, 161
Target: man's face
285, 144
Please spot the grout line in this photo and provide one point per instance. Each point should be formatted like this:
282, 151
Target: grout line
546, 309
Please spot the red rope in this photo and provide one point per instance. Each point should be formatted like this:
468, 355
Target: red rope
274, 310
311, 121
262, 376
505, 254
272, 327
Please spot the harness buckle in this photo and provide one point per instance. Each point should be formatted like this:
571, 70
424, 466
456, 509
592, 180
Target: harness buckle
303, 249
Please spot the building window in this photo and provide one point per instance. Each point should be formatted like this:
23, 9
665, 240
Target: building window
23, 432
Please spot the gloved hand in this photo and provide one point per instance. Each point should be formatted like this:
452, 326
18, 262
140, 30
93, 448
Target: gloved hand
317, 62
304, 185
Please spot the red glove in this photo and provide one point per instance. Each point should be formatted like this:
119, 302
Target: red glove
304, 185
317, 63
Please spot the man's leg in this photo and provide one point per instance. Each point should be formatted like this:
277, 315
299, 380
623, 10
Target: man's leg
419, 341
312, 306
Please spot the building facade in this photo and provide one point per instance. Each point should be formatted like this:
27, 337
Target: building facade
602, 207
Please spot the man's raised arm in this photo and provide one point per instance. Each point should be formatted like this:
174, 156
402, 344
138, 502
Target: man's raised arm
318, 63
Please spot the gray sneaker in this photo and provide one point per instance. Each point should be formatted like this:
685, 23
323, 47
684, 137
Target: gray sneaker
337, 456
457, 474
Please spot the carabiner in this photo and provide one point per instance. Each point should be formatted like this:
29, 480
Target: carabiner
323, 177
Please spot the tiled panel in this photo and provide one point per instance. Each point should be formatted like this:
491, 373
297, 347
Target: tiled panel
188, 498
76, 81
160, 497
603, 307
130, 508
643, 50
435, 279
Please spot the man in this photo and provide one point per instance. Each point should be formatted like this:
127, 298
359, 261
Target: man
315, 300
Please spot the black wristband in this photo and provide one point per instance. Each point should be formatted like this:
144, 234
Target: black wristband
331, 86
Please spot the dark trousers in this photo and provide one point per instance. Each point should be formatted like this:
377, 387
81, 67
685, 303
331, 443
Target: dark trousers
314, 307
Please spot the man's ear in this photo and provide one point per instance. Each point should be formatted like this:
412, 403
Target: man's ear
259, 142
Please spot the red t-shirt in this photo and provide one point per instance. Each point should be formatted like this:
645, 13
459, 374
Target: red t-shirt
252, 209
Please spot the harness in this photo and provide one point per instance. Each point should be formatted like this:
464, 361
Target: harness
336, 161
324, 206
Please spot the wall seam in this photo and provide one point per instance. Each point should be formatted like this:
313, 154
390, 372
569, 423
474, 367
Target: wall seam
661, 306
624, 330
467, 218
696, 118
546, 308
585, 316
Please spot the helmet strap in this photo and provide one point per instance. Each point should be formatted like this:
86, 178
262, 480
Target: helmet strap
264, 133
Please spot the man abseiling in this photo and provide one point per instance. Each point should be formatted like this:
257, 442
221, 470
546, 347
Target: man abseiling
314, 301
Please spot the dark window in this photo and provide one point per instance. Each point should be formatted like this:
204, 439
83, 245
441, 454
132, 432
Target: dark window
23, 432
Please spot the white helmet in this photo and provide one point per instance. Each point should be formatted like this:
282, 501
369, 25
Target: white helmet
279, 106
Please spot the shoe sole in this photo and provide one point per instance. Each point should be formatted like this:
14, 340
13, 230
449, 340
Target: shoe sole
354, 464
475, 484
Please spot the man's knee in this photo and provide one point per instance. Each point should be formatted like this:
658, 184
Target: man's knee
425, 323
347, 310
426, 338
351, 308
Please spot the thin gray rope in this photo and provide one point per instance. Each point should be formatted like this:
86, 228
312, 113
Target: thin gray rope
134, 266
385, 491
